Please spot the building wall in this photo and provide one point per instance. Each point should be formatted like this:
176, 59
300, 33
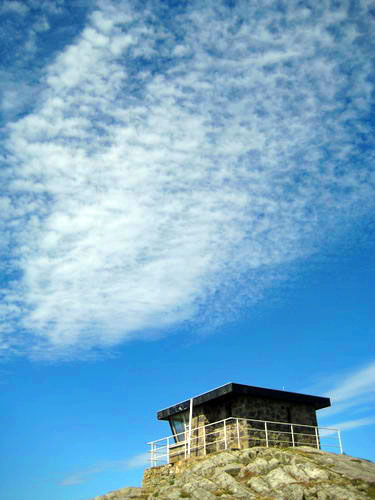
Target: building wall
244, 434
243, 406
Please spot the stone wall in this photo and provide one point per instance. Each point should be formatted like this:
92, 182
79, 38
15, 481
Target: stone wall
275, 411
214, 437
271, 409
243, 406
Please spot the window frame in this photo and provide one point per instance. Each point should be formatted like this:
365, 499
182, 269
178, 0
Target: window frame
184, 419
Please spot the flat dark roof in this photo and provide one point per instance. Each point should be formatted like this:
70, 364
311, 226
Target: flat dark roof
317, 402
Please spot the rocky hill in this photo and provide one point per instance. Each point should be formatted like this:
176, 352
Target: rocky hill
259, 473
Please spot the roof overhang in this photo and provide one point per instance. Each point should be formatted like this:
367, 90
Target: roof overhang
226, 390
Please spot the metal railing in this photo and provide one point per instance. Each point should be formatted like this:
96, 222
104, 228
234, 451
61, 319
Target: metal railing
240, 433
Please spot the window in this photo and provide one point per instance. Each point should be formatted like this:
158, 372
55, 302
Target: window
179, 424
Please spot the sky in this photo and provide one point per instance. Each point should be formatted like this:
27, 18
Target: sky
187, 199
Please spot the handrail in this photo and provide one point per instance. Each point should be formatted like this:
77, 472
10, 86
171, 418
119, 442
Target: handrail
233, 431
248, 420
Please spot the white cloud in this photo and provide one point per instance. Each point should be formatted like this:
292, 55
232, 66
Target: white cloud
137, 461
147, 194
42, 24
353, 394
141, 460
54, 7
350, 424
82, 476
29, 42
13, 6
355, 385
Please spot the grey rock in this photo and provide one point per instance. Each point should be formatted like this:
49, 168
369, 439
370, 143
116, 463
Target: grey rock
259, 485
302, 473
209, 466
227, 482
336, 492
274, 462
190, 482
306, 471
172, 493
278, 478
128, 493
259, 466
202, 494
293, 492
232, 469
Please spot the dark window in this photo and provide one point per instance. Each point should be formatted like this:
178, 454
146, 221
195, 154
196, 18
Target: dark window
179, 424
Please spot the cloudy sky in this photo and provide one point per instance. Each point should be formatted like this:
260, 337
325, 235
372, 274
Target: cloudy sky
187, 181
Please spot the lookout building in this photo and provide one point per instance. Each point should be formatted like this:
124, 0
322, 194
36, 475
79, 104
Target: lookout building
239, 416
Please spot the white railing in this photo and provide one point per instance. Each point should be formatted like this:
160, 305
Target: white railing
241, 433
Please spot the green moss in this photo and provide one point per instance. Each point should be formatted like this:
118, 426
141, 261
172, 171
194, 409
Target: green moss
371, 491
246, 475
222, 491
265, 498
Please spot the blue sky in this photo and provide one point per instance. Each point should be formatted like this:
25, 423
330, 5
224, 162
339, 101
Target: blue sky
187, 199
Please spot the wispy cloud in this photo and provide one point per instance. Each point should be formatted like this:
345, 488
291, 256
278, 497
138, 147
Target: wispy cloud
85, 475
357, 384
354, 394
350, 424
14, 6
32, 31
178, 159
140, 460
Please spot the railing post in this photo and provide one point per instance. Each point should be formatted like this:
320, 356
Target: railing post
225, 434
190, 424
185, 448
317, 438
340, 443
189, 443
266, 431
238, 433
292, 432
167, 450
152, 455
204, 440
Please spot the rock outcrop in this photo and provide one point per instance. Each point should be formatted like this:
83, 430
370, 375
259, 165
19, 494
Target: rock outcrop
258, 473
